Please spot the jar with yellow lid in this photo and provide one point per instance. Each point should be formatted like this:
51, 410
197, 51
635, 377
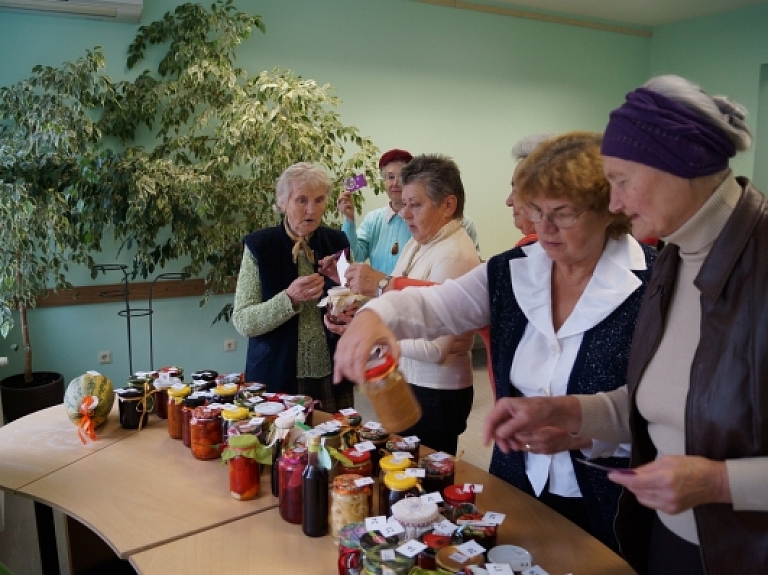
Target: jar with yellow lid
225, 392
349, 503
396, 487
391, 396
176, 394
231, 416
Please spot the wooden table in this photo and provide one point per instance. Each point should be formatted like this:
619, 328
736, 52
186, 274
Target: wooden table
167, 512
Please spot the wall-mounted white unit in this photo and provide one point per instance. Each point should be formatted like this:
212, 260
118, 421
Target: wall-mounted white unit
114, 10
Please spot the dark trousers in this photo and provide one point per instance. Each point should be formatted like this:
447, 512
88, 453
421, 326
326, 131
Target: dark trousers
672, 555
444, 415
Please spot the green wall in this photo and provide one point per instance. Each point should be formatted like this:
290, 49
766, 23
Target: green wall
418, 76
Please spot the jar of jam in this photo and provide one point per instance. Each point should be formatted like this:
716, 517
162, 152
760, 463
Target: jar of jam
225, 392
397, 444
131, 407
395, 487
416, 516
205, 432
446, 561
161, 397
438, 468
290, 468
473, 528
144, 385
360, 463
231, 416
456, 498
349, 503
391, 396
434, 542
244, 470
205, 378
188, 404
378, 436
269, 410
176, 394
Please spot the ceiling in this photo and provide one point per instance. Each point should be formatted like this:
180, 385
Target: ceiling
629, 12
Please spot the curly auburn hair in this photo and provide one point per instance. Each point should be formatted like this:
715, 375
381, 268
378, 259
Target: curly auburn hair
569, 167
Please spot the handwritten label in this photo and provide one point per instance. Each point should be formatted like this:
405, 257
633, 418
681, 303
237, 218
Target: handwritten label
535, 570
494, 518
363, 481
388, 555
471, 548
458, 557
392, 527
347, 411
411, 548
499, 569
415, 472
433, 497
412, 439
402, 455
365, 446
445, 527
375, 523
439, 456
372, 425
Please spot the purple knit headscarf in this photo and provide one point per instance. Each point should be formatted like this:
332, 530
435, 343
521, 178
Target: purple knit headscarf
656, 131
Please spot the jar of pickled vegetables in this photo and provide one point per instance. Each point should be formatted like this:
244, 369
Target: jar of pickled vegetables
391, 396
188, 404
205, 432
359, 463
176, 394
290, 467
349, 503
455, 498
244, 470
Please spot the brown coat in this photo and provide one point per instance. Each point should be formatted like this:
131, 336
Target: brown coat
727, 406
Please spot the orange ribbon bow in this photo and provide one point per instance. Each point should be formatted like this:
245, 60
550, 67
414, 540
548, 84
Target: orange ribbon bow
86, 426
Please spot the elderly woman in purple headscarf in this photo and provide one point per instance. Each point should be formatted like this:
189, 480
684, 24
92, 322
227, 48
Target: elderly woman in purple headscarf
696, 401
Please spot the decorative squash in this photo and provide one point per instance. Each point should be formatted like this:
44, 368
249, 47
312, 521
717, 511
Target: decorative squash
91, 383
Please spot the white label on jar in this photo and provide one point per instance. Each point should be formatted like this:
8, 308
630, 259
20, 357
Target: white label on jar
365, 446
363, 481
372, 425
195, 395
433, 497
177, 386
535, 570
256, 421
458, 557
439, 456
388, 555
471, 548
494, 518
229, 386
312, 433
164, 375
375, 523
392, 527
347, 411
402, 455
499, 569
295, 410
411, 548
412, 439
415, 472
445, 527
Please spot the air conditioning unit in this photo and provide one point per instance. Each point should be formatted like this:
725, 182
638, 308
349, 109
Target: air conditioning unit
114, 10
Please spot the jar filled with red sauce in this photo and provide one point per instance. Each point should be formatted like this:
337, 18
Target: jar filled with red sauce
244, 470
205, 432
188, 404
176, 394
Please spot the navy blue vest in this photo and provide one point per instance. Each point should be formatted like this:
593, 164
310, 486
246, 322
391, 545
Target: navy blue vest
272, 357
601, 365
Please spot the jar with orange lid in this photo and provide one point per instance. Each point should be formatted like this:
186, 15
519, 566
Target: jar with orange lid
396, 487
349, 502
244, 469
230, 416
176, 394
205, 432
391, 396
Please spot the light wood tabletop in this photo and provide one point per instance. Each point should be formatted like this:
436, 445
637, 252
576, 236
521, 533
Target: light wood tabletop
264, 543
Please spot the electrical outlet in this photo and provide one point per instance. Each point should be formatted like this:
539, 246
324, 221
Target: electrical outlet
230, 345
105, 357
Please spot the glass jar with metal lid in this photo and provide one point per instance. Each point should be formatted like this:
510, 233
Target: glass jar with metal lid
456, 499
176, 394
229, 417
187, 405
395, 487
359, 463
349, 502
378, 436
434, 542
438, 471
391, 396
131, 407
225, 392
397, 444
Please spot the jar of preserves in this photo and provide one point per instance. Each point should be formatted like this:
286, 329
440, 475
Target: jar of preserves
176, 394
225, 392
438, 471
446, 560
360, 463
391, 396
205, 432
231, 416
143, 384
244, 470
395, 487
170, 371
291, 465
269, 410
188, 404
349, 503
204, 378
473, 528
416, 516
131, 408
434, 542
378, 436
161, 397
397, 444
350, 554
384, 559
455, 499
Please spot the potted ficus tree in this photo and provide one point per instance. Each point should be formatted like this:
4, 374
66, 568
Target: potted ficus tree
50, 203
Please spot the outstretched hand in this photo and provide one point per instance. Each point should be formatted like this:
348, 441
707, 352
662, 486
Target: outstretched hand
354, 348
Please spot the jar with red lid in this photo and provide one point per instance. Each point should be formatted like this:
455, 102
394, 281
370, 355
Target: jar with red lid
360, 463
438, 471
205, 432
176, 394
290, 467
391, 396
473, 528
187, 405
455, 497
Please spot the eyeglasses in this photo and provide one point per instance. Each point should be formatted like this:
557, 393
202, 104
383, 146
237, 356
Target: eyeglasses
561, 219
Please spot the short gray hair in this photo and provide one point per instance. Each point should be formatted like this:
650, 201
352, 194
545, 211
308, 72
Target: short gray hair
725, 114
441, 177
299, 175
523, 148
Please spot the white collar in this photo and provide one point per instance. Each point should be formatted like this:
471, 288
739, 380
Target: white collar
611, 283
390, 213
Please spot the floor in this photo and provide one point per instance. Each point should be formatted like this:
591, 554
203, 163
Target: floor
18, 539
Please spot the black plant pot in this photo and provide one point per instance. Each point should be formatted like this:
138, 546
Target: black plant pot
20, 398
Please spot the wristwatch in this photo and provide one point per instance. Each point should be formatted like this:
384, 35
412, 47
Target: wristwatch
382, 285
